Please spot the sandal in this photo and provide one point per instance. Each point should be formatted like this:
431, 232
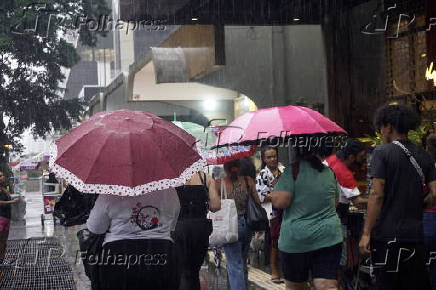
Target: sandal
277, 280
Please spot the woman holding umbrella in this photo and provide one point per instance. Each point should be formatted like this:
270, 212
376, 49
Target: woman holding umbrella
310, 236
138, 251
135, 162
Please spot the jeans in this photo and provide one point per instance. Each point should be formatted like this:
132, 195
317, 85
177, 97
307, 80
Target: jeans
429, 221
236, 257
192, 241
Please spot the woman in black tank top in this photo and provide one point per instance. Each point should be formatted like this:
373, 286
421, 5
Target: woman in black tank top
193, 228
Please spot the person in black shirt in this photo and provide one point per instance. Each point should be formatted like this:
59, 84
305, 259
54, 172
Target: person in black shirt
5, 215
393, 231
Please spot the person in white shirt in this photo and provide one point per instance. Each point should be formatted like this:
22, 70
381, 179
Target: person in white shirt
265, 181
138, 251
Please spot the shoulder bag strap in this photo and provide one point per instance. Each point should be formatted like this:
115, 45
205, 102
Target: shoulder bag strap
412, 160
223, 189
202, 178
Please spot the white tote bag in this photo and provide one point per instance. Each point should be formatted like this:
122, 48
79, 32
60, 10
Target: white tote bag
224, 221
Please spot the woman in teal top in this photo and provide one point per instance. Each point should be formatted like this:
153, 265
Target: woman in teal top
310, 236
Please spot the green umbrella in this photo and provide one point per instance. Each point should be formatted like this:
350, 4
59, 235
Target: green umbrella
206, 137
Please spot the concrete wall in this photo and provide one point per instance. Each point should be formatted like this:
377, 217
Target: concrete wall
304, 57
115, 98
83, 73
274, 65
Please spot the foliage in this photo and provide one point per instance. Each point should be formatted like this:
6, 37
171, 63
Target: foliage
372, 140
416, 136
33, 51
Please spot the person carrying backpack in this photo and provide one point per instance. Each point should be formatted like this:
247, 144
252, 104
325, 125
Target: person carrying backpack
310, 236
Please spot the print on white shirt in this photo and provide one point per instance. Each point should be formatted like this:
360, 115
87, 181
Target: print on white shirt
145, 217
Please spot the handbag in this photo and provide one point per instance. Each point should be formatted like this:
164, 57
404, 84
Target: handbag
73, 207
91, 247
224, 221
257, 218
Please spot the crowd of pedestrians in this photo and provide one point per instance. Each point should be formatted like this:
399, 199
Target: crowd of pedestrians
307, 206
164, 235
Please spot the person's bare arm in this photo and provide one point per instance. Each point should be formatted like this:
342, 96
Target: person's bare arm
359, 200
430, 200
281, 199
253, 191
375, 202
6, 202
214, 194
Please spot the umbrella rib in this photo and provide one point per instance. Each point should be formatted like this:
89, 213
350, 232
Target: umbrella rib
96, 158
313, 119
172, 133
132, 181
83, 135
162, 159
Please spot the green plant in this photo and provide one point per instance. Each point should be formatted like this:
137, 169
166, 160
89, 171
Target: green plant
416, 136
373, 140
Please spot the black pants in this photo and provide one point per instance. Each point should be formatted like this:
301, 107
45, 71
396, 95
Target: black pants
400, 266
139, 265
192, 240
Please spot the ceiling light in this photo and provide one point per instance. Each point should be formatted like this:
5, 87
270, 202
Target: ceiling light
423, 55
194, 19
296, 19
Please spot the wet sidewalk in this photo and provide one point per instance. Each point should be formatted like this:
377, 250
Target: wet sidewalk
33, 226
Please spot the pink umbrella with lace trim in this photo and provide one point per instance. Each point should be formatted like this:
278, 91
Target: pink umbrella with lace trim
126, 153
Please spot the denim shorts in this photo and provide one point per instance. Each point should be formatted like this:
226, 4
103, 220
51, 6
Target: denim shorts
323, 263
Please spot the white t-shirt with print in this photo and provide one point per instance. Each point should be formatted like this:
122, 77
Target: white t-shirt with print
150, 216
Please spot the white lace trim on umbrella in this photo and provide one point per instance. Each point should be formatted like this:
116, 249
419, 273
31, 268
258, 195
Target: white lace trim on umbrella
122, 190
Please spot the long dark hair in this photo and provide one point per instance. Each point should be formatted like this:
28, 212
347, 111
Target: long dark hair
265, 148
309, 154
247, 167
232, 167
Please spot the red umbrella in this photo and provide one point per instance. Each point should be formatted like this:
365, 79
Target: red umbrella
276, 122
125, 153
229, 153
